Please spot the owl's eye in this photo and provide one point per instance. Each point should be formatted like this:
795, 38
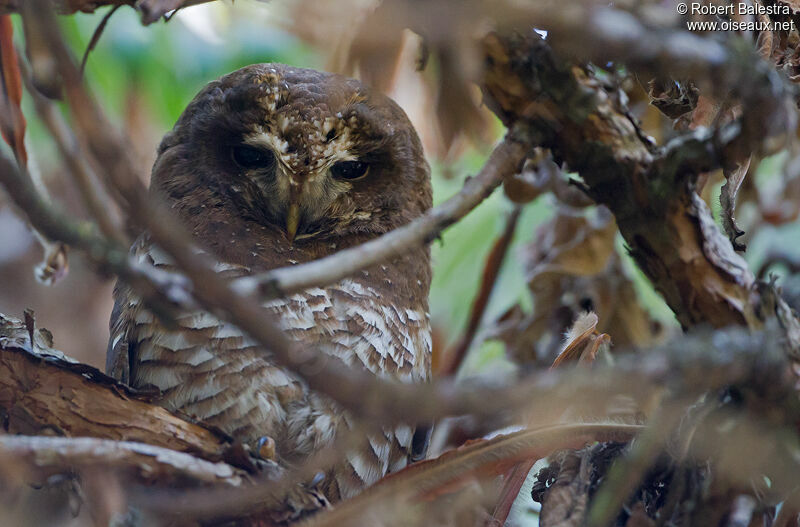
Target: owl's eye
251, 157
349, 170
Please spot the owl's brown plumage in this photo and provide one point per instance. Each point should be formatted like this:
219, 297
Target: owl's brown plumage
271, 166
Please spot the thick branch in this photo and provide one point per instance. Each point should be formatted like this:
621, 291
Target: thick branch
40, 389
669, 230
688, 366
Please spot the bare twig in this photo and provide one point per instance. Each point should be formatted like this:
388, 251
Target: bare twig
76, 163
12, 125
491, 270
96, 36
506, 158
161, 290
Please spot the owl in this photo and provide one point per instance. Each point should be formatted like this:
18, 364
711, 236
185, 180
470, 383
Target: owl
272, 166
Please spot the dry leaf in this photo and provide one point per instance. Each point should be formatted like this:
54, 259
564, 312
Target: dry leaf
572, 267
582, 342
727, 198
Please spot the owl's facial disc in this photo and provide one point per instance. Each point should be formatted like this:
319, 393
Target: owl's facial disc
297, 185
319, 159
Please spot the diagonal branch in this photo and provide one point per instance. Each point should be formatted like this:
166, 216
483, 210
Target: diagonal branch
424, 480
345, 384
503, 162
669, 230
453, 359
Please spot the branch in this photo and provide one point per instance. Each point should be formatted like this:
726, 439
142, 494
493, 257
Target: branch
503, 162
328, 375
689, 366
77, 165
162, 291
42, 389
354, 388
366, 395
151, 10
668, 228
426, 480
454, 358
47, 456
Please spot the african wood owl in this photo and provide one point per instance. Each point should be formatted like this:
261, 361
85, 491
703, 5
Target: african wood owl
272, 166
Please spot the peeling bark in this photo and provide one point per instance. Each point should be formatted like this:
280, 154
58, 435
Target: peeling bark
42, 391
667, 228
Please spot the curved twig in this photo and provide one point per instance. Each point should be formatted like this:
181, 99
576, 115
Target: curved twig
503, 161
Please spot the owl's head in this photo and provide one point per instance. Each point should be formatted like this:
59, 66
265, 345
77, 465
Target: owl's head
313, 154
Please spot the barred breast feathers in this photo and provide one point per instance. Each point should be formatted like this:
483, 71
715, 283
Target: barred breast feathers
348, 320
210, 370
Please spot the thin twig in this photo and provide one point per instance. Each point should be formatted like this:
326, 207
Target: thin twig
503, 161
163, 291
96, 37
76, 163
491, 270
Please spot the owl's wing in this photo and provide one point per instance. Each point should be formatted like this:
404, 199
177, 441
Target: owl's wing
119, 356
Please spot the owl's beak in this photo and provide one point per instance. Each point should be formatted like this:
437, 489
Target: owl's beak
292, 220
